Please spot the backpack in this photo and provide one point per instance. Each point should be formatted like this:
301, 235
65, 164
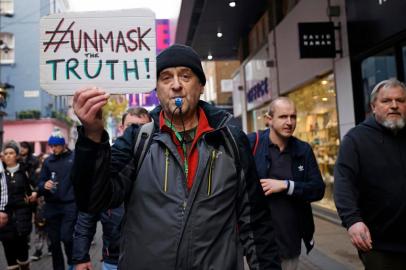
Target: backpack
142, 141
254, 148
144, 136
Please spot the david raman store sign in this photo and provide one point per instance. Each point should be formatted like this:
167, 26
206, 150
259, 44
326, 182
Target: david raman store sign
115, 50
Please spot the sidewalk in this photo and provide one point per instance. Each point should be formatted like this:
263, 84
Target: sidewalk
46, 261
333, 251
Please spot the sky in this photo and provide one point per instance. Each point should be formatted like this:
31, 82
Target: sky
164, 9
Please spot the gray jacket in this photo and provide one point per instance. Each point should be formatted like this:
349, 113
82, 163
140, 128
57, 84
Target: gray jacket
168, 227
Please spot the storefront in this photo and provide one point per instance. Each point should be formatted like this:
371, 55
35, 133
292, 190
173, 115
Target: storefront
317, 125
377, 43
258, 88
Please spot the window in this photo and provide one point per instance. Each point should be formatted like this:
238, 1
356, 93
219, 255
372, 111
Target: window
376, 68
404, 59
6, 7
6, 48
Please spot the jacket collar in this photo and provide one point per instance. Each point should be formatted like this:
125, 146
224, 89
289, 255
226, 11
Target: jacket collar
64, 154
216, 117
294, 144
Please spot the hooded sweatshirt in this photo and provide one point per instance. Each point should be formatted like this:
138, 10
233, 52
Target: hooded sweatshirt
370, 183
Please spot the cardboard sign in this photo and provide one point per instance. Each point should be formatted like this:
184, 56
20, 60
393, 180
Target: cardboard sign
114, 50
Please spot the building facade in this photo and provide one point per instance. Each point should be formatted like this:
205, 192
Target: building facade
19, 68
377, 43
19, 56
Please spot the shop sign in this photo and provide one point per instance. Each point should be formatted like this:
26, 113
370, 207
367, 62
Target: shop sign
317, 40
257, 80
258, 91
115, 50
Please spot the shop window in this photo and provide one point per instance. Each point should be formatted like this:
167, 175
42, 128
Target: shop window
376, 68
317, 125
6, 48
404, 60
6, 7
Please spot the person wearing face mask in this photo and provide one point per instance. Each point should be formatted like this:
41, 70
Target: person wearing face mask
370, 180
21, 192
195, 202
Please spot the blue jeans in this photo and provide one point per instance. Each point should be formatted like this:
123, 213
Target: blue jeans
108, 266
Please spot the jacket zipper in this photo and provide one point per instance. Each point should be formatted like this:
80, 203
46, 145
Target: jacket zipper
209, 184
166, 169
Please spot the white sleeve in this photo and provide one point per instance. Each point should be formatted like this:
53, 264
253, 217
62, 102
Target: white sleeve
3, 188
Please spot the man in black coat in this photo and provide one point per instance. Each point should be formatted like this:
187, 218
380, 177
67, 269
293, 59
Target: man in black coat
370, 180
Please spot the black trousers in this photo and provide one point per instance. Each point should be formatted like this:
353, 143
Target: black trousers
15, 249
383, 260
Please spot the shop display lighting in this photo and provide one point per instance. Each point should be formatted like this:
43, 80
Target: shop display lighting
232, 3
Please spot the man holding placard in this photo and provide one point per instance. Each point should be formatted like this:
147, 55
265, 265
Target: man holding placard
195, 201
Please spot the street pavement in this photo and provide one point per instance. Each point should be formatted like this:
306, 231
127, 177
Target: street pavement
333, 251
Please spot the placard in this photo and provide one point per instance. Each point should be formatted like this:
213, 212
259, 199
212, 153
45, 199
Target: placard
114, 50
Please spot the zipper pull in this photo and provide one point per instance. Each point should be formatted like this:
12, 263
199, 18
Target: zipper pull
184, 204
209, 183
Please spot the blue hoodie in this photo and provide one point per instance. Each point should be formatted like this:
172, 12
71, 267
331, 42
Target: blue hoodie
62, 166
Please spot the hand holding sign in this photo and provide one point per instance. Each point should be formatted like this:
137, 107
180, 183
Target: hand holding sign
87, 104
115, 50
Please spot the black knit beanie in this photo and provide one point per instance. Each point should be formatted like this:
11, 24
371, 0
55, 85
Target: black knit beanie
179, 55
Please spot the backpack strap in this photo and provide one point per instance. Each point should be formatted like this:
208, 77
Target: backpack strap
232, 145
254, 150
143, 139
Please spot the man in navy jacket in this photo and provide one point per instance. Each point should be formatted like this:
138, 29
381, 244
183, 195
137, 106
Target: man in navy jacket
290, 178
60, 209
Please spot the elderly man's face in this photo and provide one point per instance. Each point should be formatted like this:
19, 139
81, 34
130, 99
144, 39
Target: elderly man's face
389, 107
179, 82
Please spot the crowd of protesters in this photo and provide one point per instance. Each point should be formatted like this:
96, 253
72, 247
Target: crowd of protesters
184, 172
37, 196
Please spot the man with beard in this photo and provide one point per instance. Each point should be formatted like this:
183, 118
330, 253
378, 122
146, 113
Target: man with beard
370, 180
